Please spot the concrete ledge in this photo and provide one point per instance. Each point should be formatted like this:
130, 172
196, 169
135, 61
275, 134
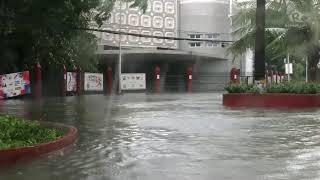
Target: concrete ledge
11, 156
272, 100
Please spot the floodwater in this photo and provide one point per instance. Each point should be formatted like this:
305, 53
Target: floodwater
174, 136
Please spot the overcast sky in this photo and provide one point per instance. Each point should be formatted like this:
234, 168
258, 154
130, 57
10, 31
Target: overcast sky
189, 1
223, 1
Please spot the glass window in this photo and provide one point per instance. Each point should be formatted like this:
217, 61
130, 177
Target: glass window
213, 35
195, 44
212, 44
195, 36
224, 44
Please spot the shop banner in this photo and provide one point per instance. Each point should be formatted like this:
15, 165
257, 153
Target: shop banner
93, 82
15, 84
133, 81
71, 81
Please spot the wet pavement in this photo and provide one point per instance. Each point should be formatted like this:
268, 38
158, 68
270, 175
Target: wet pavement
173, 136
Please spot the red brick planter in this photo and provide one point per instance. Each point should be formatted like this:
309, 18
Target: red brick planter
11, 156
272, 100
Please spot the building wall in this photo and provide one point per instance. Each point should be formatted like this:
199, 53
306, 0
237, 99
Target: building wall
160, 19
205, 20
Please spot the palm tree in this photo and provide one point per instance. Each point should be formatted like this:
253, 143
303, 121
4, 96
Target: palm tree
259, 65
292, 26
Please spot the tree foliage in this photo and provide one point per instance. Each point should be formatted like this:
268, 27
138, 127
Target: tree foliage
45, 31
292, 26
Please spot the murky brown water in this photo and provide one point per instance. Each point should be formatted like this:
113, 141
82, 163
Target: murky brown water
178, 136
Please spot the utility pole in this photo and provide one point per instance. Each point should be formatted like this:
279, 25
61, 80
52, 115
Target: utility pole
120, 49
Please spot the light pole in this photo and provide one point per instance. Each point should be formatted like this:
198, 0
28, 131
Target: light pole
120, 49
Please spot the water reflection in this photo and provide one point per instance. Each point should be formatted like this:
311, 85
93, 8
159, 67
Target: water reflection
137, 136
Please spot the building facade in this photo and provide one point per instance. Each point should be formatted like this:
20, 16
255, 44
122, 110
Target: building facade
203, 19
160, 19
192, 19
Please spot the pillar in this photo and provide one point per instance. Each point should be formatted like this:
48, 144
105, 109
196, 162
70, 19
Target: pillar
189, 73
79, 81
234, 75
38, 81
109, 79
64, 81
157, 79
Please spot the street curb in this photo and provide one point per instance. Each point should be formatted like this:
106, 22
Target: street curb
272, 100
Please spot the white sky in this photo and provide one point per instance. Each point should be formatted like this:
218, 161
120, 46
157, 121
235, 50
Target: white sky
202, 1
222, 1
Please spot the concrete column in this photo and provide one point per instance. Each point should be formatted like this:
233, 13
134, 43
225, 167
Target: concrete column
64, 81
189, 73
157, 79
109, 79
38, 81
79, 81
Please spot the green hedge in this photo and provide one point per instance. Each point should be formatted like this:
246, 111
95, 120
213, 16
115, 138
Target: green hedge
292, 87
16, 132
242, 88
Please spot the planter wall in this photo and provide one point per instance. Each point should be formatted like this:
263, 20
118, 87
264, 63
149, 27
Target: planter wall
272, 100
11, 156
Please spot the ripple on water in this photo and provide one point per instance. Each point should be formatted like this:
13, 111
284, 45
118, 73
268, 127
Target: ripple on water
138, 136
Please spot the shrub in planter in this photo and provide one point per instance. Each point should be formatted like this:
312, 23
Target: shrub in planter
294, 88
288, 87
16, 132
242, 88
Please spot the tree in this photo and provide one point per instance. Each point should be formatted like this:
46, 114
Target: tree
48, 31
259, 63
292, 26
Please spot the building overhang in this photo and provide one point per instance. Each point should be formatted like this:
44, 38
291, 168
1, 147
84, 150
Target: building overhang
156, 54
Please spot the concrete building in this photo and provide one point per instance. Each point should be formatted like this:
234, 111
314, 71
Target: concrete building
200, 19
160, 19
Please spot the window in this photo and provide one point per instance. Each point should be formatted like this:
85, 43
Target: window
195, 36
224, 44
212, 44
195, 44
213, 35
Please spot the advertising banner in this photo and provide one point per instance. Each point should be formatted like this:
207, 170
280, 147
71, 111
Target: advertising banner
71, 81
93, 82
133, 81
15, 84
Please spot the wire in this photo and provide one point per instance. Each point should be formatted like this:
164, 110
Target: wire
152, 36
179, 30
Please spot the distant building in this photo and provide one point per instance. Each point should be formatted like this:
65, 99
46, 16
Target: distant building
160, 19
199, 19
203, 19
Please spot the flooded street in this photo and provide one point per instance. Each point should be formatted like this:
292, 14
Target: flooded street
174, 136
